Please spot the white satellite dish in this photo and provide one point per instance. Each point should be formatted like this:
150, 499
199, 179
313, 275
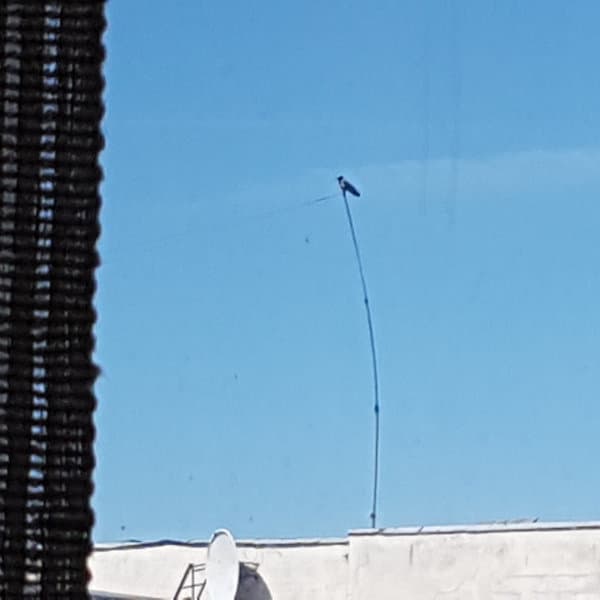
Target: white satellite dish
222, 566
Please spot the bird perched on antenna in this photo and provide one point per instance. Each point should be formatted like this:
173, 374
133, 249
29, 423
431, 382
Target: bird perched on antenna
347, 187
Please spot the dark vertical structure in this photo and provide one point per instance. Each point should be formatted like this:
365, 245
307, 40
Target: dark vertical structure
51, 86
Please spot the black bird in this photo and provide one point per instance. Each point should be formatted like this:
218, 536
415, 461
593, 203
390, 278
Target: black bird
346, 186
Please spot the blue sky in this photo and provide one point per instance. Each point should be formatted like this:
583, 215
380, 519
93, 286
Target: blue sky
237, 386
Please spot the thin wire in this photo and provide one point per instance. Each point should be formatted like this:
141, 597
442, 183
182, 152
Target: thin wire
321, 199
230, 222
374, 361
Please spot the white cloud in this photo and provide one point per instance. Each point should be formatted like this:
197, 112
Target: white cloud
536, 169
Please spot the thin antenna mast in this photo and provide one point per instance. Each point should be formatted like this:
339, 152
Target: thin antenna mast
374, 362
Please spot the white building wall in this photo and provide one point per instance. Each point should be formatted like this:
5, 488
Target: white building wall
303, 570
500, 562
153, 571
547, 564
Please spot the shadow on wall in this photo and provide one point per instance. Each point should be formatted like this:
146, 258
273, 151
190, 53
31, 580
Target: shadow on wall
252, 586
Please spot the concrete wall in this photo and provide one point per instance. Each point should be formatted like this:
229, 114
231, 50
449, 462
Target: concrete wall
546, 564
302, 570
499, 562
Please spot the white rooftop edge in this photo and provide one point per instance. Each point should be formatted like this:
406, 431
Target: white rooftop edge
495, 527
499, 526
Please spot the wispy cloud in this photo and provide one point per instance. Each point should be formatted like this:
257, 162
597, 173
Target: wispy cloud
522, 170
